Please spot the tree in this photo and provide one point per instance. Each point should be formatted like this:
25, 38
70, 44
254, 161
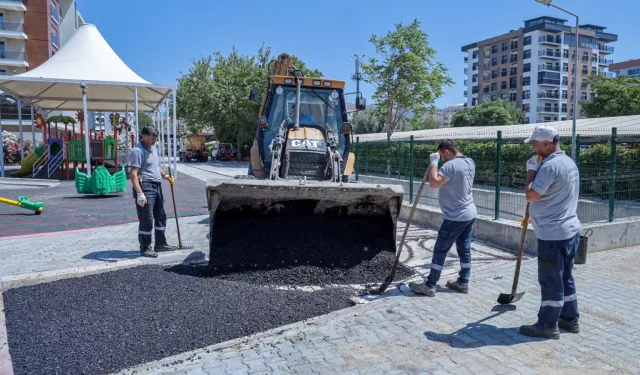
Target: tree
144, 120
421, 123
408, 79
618, 96
194, 95
314, 73
367, 122
498, 112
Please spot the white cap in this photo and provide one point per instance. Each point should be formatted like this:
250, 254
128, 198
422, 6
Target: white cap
542, 133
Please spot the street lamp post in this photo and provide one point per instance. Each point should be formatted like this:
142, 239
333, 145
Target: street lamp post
549, 3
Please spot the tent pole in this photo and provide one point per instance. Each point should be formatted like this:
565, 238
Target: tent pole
83, 87
1, 149
175, 132
166, 108
162, 148
19, 104
135, 93
33, 128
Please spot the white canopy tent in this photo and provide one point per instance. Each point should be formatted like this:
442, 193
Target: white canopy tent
87, 74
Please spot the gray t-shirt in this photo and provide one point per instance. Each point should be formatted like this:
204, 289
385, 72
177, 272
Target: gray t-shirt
554, 216
147, 161
455, 196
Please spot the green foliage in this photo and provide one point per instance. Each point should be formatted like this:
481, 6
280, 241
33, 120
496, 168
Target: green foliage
299, 64
144, 120
408, 79
618, 96
498, 112
214, 94
367, 121
420, 123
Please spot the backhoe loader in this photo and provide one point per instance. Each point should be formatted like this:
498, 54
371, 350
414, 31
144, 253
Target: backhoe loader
298, 205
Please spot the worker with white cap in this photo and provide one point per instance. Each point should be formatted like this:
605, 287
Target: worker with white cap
552, 188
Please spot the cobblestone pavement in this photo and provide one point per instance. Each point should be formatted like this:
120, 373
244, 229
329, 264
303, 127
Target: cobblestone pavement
449, 334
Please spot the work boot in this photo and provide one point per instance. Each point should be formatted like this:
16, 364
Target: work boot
458, 286
569, 326
149, 253
422, 288
165, 247
538, 330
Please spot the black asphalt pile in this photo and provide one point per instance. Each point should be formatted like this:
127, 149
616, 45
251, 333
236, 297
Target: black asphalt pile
104, 323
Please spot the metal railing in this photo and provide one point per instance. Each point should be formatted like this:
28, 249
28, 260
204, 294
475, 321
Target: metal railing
549, 39
549, 95
549, 67
41, 162
548, 81
605, 48
13, 26
607, 74
604, 61
55, 162
549, 54
545, 108
13, 55
609, 177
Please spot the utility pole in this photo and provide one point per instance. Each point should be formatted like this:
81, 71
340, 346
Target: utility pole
358, 77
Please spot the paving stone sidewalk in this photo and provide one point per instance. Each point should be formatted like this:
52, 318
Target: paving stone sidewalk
449, 334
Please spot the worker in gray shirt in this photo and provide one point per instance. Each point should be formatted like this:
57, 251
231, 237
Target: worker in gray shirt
146, 176
455, 181
552, 188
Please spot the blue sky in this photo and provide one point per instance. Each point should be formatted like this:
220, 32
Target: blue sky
158, 38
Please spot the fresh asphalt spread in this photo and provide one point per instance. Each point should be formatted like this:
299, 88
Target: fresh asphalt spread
104, 323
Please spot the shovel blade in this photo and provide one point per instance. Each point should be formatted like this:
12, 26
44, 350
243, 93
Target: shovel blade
505, 299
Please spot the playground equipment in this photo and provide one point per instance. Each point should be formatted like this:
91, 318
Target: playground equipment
25, 203
26, 165
101, 182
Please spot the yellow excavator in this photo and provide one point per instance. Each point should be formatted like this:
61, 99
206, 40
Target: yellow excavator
298, 205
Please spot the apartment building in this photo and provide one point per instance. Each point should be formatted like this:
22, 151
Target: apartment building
629, 68
444, 115
30, 33
533, 67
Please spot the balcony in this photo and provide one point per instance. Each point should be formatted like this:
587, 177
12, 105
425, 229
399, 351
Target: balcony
605, 49
607, 74
548, 39
548, 95
548, 109
549, 54
603, 61
549, 82
466, 58
14, 58
15, 5
550, 68
13, 30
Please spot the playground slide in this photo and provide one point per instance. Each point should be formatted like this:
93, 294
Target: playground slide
26, 167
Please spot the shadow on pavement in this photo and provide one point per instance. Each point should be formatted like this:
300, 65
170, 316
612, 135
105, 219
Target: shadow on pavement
112, 256
476, 335
94, 197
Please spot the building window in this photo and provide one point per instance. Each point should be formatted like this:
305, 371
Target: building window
465, 93
474, 90
514, 70
514, 57
54, 13
594, 70
505, 96
526, 94
584, 83
474, 67
474, 101
505, 59
3, 72
485, 75
494, 86
564, 108
55, 40
565, 67
494, 97
494, 61
565, 81
526, 81
475, 54
527, 40
526, 108
514, 44
527, 54
525, 120
526, 67
513, 96
494, 48
513, 82
494, 73
503, 72
565, 53
503, 85
505, 46
585, 56
474, 78
583, 95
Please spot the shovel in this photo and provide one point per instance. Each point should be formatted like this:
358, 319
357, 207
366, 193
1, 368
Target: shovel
504, 298
389, 279
175, 211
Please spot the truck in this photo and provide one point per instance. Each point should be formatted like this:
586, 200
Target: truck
192, 147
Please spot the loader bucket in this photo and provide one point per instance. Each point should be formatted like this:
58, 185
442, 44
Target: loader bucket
267, 224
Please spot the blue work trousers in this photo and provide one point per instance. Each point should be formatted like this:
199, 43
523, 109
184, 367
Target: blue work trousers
152, 215
458, 232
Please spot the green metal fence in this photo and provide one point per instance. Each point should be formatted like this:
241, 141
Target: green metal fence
609, 172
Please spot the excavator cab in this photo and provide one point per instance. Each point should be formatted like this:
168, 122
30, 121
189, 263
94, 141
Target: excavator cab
296, 199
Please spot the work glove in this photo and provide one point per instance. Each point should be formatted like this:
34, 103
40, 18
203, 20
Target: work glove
169, 178
533, 164
434, 158
141, 200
